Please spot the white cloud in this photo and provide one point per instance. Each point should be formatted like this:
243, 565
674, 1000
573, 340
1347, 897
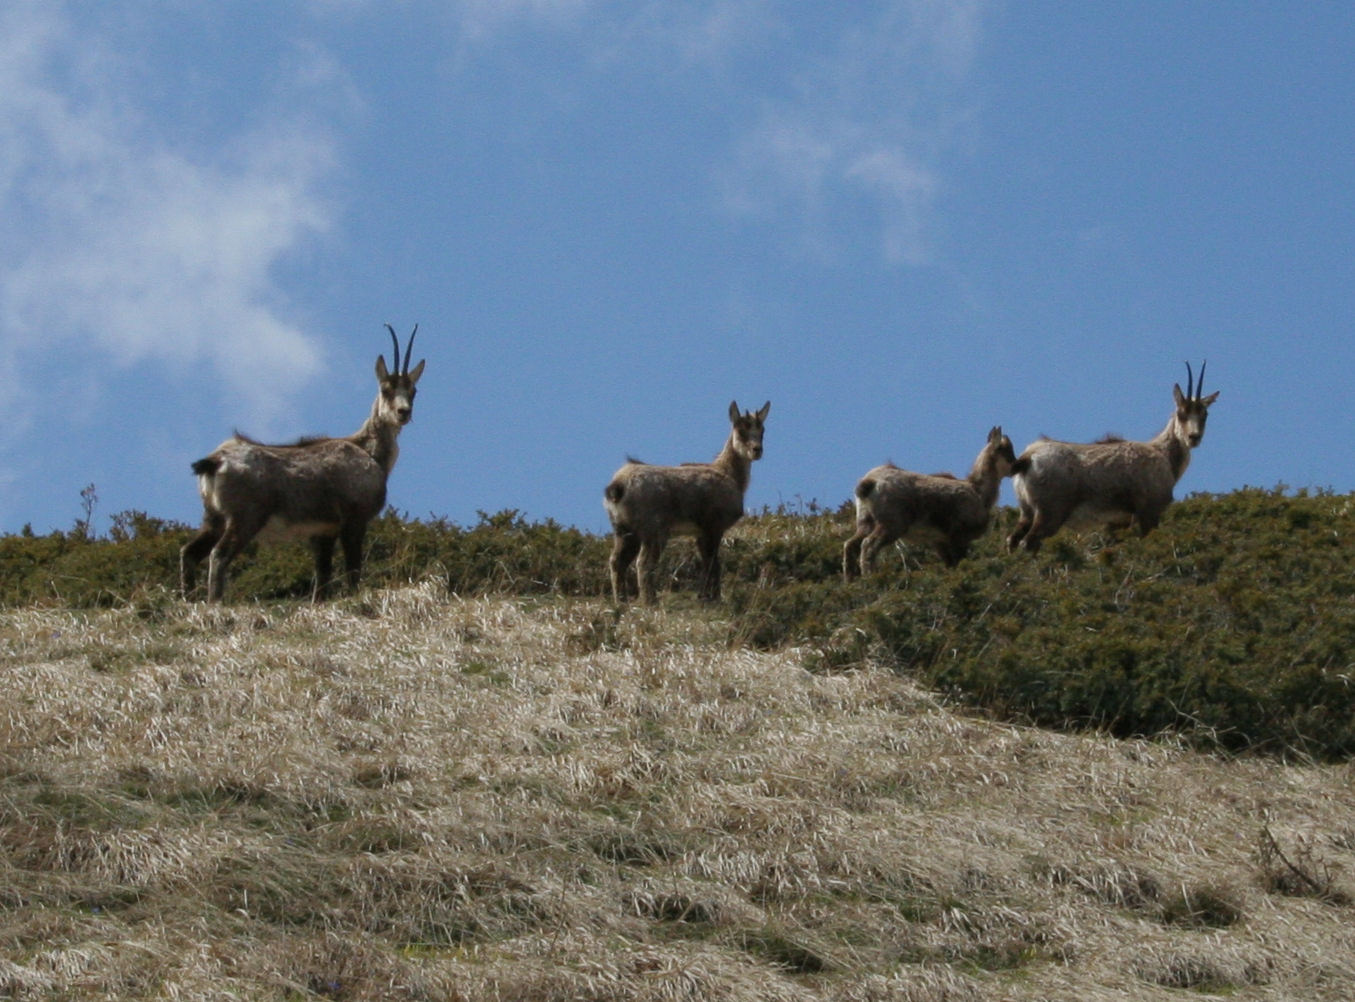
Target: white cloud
905, 190
855, 107
868, 128
795, 157
483, 18
698, 33
133, 249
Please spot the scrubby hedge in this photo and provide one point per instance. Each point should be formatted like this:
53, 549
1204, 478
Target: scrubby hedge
1233, 624
502, 553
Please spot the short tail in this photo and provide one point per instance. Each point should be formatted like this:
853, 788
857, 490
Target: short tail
865, 488
614, 492
207, 466
1022, 465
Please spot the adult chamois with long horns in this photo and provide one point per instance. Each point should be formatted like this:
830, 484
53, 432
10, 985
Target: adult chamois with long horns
648, 504
934, 509
325, 490
1111, 483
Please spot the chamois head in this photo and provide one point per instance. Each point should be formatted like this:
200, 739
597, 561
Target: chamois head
1192, 410
397, 386
1001, 451
747, 430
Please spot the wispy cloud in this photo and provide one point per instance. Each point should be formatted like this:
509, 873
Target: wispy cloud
132, 246
481, 19
856, 135
866, 129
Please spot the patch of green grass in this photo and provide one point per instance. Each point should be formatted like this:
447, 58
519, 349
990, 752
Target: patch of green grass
91, 809
793, 952
490, 673
1209, 906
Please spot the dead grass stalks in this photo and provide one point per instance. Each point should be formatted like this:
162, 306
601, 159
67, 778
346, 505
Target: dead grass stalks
405, 795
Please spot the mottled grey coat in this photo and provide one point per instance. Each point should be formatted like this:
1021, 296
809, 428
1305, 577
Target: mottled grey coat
1112, 483
935, 509
325, 490
647, 504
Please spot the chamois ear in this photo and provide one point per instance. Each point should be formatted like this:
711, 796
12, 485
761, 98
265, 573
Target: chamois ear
416, 372
382, 373
995, 433
762, 412
1211, 398
734, 412
1178, 396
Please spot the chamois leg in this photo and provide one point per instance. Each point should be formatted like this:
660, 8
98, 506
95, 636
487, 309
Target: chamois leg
194, 552
351, 538
1148, 520
879, 537
646, 567
708, 543
1022, 528
851, 552
954, 550
322, 548
234, 537
625, 546
1042, 527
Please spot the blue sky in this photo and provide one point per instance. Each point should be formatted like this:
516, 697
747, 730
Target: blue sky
900, 221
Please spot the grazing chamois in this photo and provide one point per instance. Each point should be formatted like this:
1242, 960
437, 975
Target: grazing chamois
647, 504
320, 489
1111, 483
937, 509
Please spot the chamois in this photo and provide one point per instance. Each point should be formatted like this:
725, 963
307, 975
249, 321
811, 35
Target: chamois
647, 504
937, 508
1113, 482
320, 489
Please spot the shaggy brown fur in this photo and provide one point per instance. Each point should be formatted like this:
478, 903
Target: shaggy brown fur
936, 509
325, 490
648, 504
1112, 483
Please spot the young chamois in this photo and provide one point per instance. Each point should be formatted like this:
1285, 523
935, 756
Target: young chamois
936, 509
647, 504
1112, 483
320, 489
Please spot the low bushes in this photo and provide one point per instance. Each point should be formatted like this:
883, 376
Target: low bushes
1234, 624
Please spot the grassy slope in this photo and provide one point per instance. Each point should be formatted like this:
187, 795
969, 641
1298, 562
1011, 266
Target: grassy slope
409, 795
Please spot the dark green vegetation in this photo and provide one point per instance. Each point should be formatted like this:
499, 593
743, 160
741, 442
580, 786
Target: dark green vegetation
1233, 624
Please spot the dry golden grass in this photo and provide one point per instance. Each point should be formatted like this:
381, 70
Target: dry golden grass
410, 796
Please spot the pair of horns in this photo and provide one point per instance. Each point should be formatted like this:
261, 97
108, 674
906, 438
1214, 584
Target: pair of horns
409, 348
1193, 391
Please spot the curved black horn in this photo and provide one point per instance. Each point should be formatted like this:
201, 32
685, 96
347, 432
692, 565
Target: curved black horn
395, 362
409, 349
1190, 382
1199, 387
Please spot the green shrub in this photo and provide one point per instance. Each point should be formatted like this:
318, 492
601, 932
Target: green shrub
71, 569
1232, 624
505, 554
